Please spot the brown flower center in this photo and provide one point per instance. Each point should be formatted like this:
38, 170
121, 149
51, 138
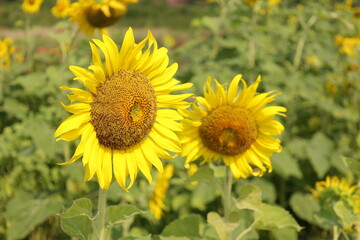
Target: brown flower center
123, 110
98, 19
228, 130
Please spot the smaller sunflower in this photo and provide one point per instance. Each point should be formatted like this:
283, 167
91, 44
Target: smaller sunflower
333, 190
156, 203
61, 8
31, 6
235, 127
6, 51
90, 15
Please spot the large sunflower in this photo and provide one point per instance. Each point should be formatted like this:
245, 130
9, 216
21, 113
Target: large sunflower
31, 6
90, 15
125, 122
236, 127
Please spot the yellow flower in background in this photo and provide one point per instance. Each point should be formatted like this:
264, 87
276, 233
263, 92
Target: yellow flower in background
61, 8
274, 2
168, 41
31, 6
235, 127
349, 46
313, 61
90, 15
334, 189
156, 203
6, 50
128, 118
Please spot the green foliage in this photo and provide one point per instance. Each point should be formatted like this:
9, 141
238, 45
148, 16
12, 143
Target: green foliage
24, 213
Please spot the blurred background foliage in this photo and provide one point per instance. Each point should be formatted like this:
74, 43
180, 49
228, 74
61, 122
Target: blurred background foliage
308, 50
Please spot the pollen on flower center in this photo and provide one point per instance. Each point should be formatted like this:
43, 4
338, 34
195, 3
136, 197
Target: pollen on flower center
123, 110
98, 19
228, 130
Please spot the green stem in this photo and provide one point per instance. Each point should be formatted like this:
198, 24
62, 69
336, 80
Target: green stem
29, 58
335, 233
101, 228
299, 50
227, 193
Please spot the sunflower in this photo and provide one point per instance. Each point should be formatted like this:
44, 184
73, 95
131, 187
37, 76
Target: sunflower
334, 189
31, 6
236, 127
6, 51
61, 8
126, 121
91, 15
156, 203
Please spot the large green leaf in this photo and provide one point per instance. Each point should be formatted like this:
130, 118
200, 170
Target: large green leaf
204, 174
119, 214
250, 198
81, 206
304, 206
188, 227
319, 152
274, 217
286, 165
347, 216
24, 213
76, 220
223, 229
285, 233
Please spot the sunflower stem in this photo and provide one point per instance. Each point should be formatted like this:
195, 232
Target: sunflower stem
101, 228
335, 233
227, 193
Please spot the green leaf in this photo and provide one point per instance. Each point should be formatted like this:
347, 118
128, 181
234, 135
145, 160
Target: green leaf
223, 229
319, 152
203, 194
285, 165
250, 198
119, 214
78, 226
24, 213
285, 233
274, 217
204, 174
80, 207
76, 220
304, 206
267, 188
185, 227
353, 165
348, 218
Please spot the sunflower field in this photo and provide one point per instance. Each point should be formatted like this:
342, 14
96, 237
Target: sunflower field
187, 119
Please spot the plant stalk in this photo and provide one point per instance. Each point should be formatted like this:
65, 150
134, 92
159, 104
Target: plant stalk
227, 193
335, 233
101, 228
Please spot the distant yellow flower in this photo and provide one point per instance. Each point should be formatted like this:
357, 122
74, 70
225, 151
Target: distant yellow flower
274, 2
31, 6
235, 127
128, 118
169, 41
6, 50
356, 12
61, 8
90, 15
334, 189
156, 203
313, 61
348, 45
